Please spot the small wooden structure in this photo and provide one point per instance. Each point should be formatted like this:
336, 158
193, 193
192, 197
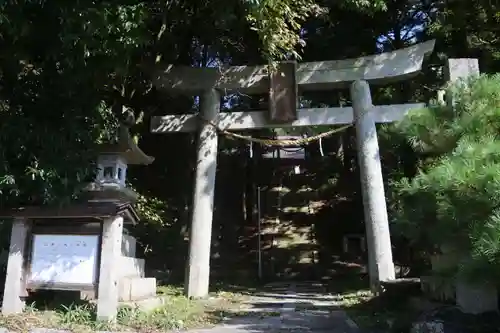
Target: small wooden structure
82, 246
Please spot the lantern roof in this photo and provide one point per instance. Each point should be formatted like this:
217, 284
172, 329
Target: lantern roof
127, 148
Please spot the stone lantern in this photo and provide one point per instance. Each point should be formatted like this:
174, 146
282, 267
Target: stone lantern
112, 170
110, 181
83, 245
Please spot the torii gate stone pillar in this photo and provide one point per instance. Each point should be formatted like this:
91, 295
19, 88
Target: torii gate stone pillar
198, 269
283, 90
381, 266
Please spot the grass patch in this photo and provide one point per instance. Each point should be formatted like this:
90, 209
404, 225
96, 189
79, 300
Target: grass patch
178, 312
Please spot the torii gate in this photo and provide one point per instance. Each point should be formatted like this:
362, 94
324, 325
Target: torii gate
283, 87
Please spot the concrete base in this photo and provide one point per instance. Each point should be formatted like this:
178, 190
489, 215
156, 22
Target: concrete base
476, 299
438, 288
134, 288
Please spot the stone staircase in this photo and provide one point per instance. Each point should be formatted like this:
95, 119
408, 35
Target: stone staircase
290, 247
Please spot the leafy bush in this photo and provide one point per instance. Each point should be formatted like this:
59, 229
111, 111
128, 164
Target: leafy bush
454, 200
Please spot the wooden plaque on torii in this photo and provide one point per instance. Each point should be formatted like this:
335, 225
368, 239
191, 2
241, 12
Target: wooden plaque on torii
283, 93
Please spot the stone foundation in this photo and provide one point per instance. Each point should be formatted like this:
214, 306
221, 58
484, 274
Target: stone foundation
134, 289
476, 299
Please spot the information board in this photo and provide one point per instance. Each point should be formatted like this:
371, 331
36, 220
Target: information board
64, 259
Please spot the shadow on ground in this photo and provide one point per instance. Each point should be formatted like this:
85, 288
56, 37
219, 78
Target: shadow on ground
398, 313
304, 306
320, 320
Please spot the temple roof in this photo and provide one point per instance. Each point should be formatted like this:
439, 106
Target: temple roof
127, 148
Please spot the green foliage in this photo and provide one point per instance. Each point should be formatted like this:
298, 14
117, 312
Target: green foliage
454, 199
63, 66
279, 23
56, 60
468, 25
151, 209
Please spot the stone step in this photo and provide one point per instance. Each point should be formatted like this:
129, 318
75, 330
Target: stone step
145, 304
131, 267
135, 288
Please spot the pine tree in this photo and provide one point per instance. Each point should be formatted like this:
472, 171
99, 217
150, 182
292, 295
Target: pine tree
454, 200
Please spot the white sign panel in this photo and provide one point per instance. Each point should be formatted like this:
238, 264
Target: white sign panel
68, 259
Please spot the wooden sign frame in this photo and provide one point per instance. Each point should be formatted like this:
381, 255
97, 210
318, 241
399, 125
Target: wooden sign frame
59, 227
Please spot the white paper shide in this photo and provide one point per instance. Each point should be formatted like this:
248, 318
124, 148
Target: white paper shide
68, 259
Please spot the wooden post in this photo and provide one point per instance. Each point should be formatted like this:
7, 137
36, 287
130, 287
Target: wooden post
198, 270
14, 282
107, 295
381, 266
